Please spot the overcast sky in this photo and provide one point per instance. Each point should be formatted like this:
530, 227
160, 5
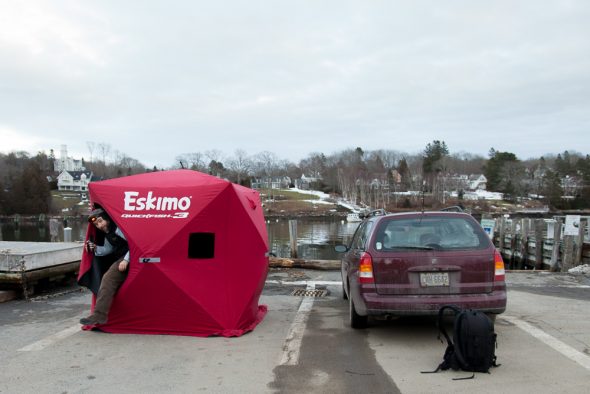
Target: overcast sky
156, 79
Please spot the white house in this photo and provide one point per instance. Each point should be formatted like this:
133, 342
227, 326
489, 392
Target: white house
306, 181
74, 180
65, 163
478, 182
271, 182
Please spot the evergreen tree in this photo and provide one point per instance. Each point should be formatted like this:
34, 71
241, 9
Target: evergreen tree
31, 191
434, 153
583, 168
503, 172
4, 209
433, 162
404, 172
563, 165
216, 168
553, 190
542, 163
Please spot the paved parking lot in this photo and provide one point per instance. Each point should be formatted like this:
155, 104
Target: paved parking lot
303, 345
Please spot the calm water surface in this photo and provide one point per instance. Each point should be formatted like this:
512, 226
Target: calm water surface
41, 231
316, 237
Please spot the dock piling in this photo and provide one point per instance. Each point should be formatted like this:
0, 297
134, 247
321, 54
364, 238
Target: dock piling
539, 225
293, 237
67, 234
556, 241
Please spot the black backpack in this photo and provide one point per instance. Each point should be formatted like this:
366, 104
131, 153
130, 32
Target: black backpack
474, 342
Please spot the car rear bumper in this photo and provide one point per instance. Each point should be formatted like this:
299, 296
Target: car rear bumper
375, 304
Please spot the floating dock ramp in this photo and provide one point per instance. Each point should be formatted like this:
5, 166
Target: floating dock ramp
28, 262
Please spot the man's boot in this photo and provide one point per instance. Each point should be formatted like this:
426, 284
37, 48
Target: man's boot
95, 318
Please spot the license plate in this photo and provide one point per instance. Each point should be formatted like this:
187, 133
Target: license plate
431, 279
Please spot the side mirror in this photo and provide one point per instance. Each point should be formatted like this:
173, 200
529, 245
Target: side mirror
341, 248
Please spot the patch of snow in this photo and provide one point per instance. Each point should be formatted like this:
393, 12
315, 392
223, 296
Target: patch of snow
479, 195
319, 202
349, 206
580, 269
321, 195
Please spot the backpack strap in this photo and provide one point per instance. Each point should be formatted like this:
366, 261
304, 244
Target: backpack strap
440, 324
466, 377
448, 356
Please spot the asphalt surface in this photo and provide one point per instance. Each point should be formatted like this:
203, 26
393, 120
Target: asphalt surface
543, 346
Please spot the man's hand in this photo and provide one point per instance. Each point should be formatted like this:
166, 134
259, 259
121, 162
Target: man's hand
123, 265
90, 246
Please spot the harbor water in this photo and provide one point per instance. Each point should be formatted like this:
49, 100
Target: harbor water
316, 237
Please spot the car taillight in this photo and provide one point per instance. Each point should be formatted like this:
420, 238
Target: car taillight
366, 269
500, 273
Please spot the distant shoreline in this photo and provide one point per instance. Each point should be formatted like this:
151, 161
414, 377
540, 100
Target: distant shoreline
300, 214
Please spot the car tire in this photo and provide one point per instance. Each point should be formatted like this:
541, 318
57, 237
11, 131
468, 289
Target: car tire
492, 317
356, 320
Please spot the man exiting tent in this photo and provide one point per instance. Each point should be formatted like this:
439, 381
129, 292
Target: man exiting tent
198, 247
110, 257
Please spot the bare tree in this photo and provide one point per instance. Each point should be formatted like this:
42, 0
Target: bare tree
180, 161
117, 156
105, 150
314, 165
214, 155
465, 163
91, 147
193, 160
240, 165
265, 165
389, 158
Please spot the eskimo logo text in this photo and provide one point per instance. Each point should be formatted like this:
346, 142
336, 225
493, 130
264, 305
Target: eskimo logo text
134, 202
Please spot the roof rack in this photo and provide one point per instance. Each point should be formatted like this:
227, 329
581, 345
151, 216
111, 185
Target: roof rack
454, 208
375, 212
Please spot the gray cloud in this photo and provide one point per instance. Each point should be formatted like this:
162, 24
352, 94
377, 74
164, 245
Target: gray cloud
156, 79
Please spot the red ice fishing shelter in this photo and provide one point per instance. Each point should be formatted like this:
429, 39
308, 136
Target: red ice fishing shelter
198, 254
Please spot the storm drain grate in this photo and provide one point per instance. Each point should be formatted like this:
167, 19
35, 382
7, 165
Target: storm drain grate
309, 293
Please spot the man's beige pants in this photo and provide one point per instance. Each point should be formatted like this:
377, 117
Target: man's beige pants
111, 281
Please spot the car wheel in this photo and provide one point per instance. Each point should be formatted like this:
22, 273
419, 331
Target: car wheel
344, 296
356, 320
492, 317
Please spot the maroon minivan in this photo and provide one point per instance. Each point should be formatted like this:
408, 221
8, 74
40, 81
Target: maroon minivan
414, 263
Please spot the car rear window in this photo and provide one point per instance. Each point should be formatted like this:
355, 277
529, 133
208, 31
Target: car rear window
430, 232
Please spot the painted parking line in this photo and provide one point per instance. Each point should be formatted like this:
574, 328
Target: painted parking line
544, 285
48, 341
292, 346
551, 341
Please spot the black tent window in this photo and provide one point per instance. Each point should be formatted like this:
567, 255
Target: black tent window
201, 245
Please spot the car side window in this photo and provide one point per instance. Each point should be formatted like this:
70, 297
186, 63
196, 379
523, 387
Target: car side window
361, 236
355, 238
365, 235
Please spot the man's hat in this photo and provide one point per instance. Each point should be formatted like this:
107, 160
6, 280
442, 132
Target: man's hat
99, 212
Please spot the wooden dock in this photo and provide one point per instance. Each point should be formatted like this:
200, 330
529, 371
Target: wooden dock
23, 264
327, 265
541, 244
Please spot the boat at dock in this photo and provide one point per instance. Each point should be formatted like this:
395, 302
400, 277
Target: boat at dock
353, 217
